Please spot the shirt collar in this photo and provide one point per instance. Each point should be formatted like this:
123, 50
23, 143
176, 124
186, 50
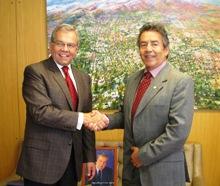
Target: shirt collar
60, 66
156, 71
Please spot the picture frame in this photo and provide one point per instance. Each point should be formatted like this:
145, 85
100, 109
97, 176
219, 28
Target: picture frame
108, 53
107, 160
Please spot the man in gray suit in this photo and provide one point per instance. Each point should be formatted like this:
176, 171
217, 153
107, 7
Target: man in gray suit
156, 117
57, 96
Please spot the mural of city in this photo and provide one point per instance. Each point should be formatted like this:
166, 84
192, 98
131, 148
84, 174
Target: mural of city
108, 33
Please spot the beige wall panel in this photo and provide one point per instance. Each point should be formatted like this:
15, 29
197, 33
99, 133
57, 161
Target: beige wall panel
206, 130
8, 85
23, 41
32, 39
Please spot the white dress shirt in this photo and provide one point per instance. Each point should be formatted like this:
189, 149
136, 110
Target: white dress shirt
80, 116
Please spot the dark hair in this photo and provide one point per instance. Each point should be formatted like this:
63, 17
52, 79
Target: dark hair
157, 27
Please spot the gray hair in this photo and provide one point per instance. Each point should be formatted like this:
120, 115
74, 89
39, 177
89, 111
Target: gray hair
64, 27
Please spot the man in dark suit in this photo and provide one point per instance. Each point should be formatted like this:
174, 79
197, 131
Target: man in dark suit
104, 175
57, 98
156, 117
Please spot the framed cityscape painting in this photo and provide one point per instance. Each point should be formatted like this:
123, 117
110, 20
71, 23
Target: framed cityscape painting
108, 33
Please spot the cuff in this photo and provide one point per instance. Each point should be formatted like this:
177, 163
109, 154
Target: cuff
80, 121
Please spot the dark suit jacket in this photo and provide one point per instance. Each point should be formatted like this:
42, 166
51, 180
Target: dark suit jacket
160, 127
106, 178
50, 132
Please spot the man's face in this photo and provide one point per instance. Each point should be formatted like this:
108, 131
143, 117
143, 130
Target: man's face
152, 50
64, 48
101, 162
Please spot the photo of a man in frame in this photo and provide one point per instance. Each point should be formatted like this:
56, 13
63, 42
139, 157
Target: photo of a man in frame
104, 171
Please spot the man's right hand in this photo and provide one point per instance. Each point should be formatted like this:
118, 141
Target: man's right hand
95, 120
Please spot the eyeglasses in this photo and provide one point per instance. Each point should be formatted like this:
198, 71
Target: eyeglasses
61, 44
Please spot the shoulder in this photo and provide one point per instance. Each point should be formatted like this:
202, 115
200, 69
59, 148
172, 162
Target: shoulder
176, 75
135, 75
38, 65
108, 169
81, 73
179, 81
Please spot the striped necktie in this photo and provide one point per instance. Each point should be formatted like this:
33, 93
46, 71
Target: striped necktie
142, 87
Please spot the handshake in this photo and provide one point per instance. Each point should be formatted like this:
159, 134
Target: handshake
95, 120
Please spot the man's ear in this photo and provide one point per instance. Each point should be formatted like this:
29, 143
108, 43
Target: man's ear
167, 51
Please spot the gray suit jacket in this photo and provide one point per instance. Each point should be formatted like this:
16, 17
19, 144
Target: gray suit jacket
160, 127
50, 132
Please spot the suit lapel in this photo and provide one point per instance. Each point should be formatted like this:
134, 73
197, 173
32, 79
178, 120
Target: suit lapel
155, 87
60, 80
131, 90
79, 86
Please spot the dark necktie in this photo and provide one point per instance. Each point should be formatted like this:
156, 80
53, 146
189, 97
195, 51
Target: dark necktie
71, 87
142, 87
100, 175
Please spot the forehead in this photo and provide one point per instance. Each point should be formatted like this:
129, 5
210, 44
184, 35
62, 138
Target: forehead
150, 36
102, 158
66, 36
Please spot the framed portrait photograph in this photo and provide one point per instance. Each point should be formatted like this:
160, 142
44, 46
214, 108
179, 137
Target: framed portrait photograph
106, 168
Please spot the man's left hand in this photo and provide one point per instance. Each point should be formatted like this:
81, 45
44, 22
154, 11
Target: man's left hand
135, 160
91, 170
